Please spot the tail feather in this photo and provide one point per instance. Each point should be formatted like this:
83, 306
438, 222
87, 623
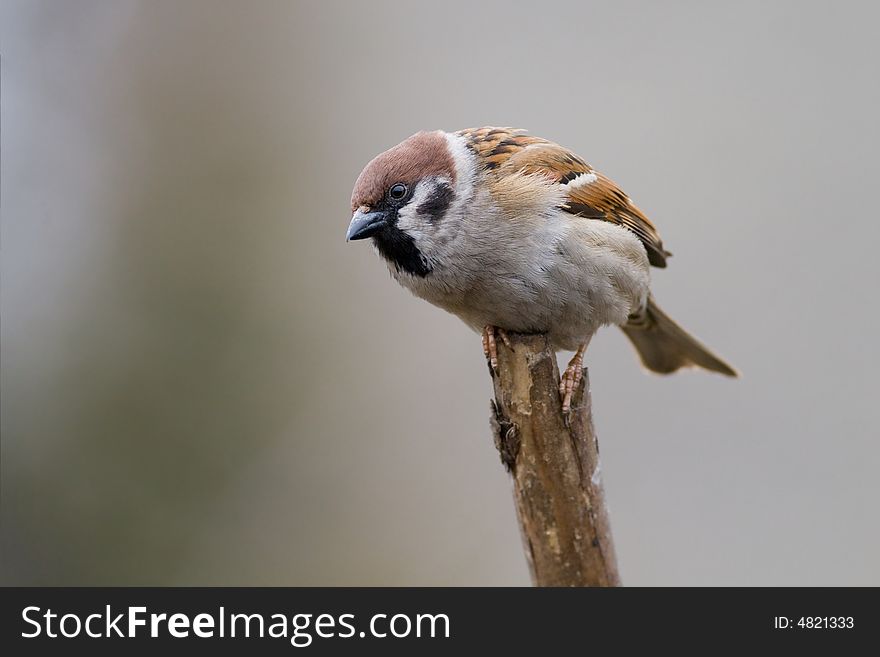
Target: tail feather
664, 346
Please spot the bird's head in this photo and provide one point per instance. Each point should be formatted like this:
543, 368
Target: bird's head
408, 199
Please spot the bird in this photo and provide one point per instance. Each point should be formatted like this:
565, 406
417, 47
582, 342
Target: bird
515, 233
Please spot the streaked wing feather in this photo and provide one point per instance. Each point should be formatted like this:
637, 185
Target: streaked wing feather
595, 197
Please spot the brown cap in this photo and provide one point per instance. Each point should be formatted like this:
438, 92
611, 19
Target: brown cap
422, 155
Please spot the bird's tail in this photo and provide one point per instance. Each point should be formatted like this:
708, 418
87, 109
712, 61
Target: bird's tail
665, 347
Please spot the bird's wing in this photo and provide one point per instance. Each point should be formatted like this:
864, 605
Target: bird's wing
588, 193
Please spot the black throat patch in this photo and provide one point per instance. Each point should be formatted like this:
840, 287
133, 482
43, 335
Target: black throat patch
400, 249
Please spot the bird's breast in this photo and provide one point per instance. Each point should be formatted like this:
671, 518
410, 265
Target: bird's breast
564, 275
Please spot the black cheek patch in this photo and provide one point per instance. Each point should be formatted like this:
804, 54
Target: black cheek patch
400, 249
436, 204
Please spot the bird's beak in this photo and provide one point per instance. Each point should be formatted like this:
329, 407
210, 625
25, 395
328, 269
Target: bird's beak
363, 224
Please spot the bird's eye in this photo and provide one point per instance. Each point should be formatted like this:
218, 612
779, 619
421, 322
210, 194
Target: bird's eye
397, 191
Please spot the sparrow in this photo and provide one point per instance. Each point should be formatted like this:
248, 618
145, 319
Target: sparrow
511, 232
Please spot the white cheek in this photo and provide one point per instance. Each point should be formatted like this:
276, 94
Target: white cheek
428, 234
408, 219
464, 173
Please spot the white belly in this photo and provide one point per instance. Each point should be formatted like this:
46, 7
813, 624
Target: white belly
564, 276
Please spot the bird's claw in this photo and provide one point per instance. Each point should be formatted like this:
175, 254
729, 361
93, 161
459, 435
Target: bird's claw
568, 383
490, 346
571, 378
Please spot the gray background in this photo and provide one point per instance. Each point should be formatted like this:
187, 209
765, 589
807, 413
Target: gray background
202, 383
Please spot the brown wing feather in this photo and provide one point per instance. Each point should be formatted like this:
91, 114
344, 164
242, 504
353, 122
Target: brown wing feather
606, 199
495, 146
506, 149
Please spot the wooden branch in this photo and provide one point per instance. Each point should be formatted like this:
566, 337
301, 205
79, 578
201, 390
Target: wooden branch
555, 467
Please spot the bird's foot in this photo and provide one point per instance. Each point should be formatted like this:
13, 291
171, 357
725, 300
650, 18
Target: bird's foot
490, 346
571, 379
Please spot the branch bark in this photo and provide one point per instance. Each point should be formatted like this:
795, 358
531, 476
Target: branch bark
555, 467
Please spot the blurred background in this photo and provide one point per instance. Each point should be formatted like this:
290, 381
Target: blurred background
202, 383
